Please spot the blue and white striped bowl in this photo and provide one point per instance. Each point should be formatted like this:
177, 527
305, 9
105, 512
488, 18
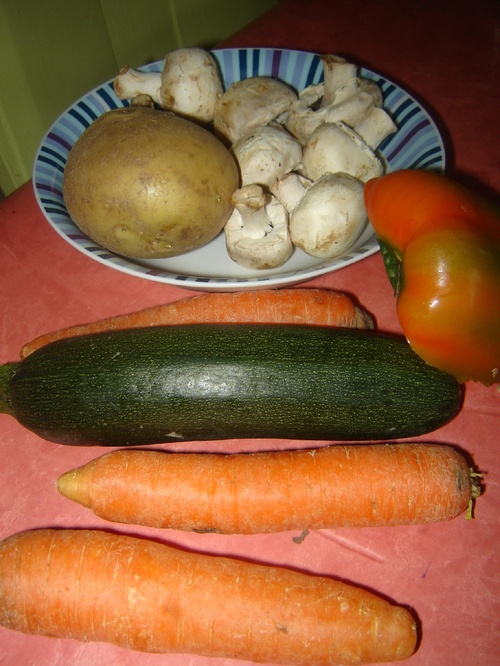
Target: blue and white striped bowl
416, 145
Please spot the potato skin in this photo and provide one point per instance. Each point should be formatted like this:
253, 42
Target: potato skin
146, 183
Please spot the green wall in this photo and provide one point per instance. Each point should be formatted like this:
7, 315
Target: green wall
54, 51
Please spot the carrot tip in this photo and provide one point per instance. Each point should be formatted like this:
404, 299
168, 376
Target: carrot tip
70, 486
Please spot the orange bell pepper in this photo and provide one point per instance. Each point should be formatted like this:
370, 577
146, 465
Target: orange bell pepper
441, 246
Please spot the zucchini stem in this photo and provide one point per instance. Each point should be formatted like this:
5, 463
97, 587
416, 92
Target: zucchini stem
7, 371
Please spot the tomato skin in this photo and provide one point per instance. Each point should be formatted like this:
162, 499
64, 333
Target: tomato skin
446, 307
447, 284
409, 203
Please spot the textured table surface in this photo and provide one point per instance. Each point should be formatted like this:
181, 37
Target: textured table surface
447, 55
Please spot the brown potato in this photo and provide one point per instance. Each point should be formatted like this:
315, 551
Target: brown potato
146, 183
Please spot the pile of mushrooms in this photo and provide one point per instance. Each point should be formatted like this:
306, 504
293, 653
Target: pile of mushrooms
303, 156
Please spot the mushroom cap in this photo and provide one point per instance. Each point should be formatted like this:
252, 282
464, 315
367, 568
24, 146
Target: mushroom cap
266, 154
191, 84
330, 216
337, 148
249, 103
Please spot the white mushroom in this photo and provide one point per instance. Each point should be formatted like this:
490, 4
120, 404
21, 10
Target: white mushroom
189, 84
257, 235
303, 120
249, 103
266, 154
342, 96
336, 147
329, 217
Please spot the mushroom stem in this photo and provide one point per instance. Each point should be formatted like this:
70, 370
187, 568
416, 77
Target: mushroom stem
142, 100
130, 83
290, 189
250, 202
257, 234
375, 127
340, 79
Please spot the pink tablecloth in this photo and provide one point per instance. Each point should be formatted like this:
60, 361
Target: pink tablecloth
446, 54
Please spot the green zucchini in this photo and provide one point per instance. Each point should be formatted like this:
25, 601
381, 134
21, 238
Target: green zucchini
202, 382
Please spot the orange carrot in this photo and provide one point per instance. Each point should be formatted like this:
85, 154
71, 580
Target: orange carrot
320, 307
337, 486
142, 595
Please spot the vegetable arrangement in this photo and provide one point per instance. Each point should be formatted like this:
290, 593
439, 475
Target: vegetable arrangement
218, 381
300, 364
146, 596
303, 156
441, 246
297, 363
337, 486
